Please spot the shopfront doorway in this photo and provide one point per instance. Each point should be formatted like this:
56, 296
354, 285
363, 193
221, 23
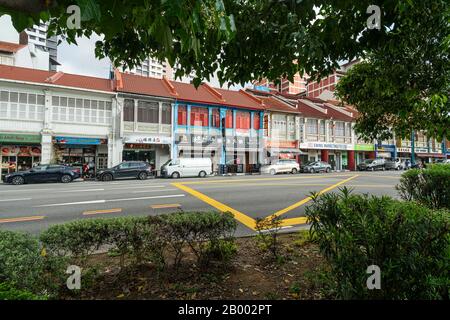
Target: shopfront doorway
139, 152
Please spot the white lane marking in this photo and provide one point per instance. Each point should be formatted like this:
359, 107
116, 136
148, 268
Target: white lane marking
80, 190
68, 189
147, 191
70, 203
140, 187
145, 198
104, 201
18, 199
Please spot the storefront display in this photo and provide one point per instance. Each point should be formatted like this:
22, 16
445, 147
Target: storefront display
19, 152
79, 151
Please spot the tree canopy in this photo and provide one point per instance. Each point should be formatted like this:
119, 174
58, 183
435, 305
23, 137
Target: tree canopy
241, 39
404, 84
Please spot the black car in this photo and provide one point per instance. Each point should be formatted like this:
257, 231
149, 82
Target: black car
44, 173
129, 169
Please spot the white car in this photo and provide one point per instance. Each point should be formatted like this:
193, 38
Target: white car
281, 166
187, 167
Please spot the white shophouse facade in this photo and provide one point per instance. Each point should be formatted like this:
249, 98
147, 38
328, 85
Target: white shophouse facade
46, 123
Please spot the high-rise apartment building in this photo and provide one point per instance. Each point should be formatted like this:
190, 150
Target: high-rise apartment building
37, 35
153, 68
304, 85
30, 48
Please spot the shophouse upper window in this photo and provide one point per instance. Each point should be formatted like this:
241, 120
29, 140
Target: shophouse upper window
256, 121
199, 116
215, 118
128, 110
312, 126
322, 127
81, 110
242, 120
148, 112
229, 119
16, 105
166, 113
182, 115
339, 129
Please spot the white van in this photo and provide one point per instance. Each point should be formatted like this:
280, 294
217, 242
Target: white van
187, 167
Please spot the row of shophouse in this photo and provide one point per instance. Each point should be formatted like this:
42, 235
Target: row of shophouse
53, 117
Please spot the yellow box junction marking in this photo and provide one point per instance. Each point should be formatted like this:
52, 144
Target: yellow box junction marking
245, 219
89, 213
306, 200
22, 219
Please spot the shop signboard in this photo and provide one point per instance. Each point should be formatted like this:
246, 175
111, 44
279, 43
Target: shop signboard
79, 141
21, 151
147, 139
408, 150
19, 138
326, 146
198, 140
281, 144
364, 147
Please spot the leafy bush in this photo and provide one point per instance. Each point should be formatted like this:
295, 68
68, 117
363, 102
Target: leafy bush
8, 292
23, 266
410, 243
430, 187
129, 236
143, 238
201, 231
267, 238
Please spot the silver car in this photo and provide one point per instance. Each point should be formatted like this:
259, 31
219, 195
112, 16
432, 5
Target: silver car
281, 166
395, 164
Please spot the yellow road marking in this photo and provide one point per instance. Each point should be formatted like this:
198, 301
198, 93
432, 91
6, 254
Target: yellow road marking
21, 219
242, 218
88, 213
164, 206
302, 202
245, 219
294, 221
263, 179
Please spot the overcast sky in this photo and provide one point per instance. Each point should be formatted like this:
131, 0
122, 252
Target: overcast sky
80, 59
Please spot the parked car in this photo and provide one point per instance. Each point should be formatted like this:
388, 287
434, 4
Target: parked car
281, 166
187, 167
130, 169
316, 166
395, 164
44, 173
443, 161
372, 165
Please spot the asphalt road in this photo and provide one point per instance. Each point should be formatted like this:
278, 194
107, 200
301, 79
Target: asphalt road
34, 207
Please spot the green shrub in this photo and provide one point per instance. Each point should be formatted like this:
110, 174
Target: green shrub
24, 267
200, 231
430, 186
128, 236
142, 238
410, 243
9, 292
77, 238
268, 230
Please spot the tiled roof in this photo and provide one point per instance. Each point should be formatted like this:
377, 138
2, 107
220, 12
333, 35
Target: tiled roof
55, 78
337, 115
10, 47
144, 85
274, 104
311, 112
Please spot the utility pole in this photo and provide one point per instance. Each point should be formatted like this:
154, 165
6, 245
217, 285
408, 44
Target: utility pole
413, 160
